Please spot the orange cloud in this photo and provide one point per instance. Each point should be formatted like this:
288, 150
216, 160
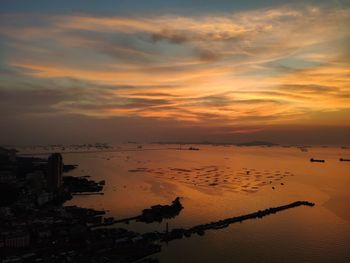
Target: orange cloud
269, 66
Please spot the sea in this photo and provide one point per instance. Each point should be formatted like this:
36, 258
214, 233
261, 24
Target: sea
215, 182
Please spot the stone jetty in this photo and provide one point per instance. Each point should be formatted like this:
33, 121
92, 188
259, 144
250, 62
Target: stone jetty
200, 229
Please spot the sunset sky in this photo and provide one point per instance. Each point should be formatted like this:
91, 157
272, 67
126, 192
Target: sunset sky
222, 71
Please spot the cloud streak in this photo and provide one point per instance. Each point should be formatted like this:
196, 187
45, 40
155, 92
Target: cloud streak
268, 66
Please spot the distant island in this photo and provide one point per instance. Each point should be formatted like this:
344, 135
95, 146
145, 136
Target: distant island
249, 143
257, 143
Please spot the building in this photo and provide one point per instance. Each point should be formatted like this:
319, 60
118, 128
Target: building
7, 177
43, 198
36, 181
7, 165
54, 172
7, 155
17, 239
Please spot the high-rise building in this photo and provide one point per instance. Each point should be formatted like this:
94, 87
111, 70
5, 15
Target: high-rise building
54, 172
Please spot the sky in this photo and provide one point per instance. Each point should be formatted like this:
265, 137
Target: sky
219, 71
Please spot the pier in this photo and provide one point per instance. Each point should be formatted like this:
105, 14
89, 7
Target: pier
154, 214
200, 229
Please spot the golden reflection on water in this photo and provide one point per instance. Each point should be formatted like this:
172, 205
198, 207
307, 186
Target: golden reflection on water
217, 182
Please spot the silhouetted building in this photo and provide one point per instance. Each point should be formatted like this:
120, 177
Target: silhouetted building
7, 156
17, 239
43, 198
54, 172
7, 177
36, 181
7, 165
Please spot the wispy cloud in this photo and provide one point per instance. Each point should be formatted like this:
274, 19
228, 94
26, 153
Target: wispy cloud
266, 66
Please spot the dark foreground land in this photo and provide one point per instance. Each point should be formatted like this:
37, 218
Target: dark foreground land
35, 226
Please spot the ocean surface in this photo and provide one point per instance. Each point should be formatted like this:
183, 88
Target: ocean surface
217, 182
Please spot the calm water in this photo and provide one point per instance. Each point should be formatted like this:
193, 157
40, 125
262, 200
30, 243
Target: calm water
219, 182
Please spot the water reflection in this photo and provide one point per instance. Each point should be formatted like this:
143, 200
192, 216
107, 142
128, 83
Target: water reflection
219, 182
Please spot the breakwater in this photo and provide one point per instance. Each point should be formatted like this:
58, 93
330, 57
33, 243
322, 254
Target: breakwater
200, 229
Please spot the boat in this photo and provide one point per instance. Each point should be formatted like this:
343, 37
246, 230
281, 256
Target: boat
317, 160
